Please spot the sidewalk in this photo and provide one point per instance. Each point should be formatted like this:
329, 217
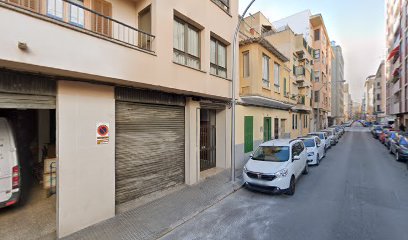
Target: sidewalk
154, 219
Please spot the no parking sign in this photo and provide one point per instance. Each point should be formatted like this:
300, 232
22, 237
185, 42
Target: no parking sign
102, 133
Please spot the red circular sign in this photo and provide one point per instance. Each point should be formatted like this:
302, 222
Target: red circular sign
103, 130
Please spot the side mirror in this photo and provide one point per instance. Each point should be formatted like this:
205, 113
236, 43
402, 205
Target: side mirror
318, 145
252, 155
295, 158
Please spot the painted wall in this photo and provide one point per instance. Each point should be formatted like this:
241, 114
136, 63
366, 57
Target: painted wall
86, 171
112, 62
259, 113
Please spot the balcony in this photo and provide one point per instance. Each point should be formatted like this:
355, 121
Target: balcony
301, 100
300, 74
97, 21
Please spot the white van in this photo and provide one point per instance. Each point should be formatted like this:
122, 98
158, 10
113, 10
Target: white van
9, 166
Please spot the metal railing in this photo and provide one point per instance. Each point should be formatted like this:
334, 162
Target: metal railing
91, 20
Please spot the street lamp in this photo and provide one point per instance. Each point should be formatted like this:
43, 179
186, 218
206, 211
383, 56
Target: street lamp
234, 80
318, 103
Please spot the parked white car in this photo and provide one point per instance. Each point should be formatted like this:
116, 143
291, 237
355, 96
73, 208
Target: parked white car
323, 136
332, 136
276, 165
9, 167
315, 150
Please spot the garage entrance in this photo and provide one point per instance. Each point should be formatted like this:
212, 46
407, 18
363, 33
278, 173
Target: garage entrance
150, 145
27, 102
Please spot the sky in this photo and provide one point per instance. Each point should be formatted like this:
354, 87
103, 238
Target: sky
358, 26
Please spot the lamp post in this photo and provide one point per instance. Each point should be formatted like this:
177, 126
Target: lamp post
234, 80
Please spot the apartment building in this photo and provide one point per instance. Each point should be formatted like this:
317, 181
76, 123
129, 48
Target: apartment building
301, 61
314, 31
337, 85
379, 93
267, 90
348, 103
369, 98
397, 62
138, 93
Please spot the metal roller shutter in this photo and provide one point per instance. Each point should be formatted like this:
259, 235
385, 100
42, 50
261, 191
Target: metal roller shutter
149, 148
28, 91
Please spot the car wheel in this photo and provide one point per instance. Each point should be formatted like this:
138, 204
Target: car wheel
292, 187
306, 169
397, 157
318, 160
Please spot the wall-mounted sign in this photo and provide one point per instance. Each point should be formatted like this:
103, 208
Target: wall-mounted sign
102, 133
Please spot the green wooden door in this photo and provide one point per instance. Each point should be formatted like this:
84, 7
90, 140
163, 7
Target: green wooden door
267, 129
248, 134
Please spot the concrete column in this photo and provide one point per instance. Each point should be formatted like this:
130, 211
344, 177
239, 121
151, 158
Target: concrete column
86, 171
192, 142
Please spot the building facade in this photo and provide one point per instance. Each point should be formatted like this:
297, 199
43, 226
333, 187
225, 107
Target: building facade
380, 93
316, 35
368, 104
397, 62
139, 92
348, 103
337, 85
268, 90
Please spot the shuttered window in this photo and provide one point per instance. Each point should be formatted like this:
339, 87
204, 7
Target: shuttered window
33, 5
99, 24
248, 134
186, 44
218, 58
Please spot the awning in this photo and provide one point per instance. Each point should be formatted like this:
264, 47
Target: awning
265, 102
396, 72
393, 52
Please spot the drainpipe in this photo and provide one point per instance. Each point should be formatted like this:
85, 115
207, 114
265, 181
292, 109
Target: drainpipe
233, 100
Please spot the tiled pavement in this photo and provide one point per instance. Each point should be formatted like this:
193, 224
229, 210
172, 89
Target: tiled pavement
158, 217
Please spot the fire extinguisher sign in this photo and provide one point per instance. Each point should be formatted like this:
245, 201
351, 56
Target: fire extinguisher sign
102, 133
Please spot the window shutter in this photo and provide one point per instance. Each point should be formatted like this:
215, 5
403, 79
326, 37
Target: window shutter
32, 5
99, 24
248, 134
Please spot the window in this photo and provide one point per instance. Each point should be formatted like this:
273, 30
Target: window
305, 121
284, 87
294, 121
186, 43
76, 15
245, 57
55, 8
223, 4
272, 154
276, 72
317, 76
265, 71
316, 54
378, 96
99, 24
378, 108
248, 134
218, 58
317, 96
145, 25
317, 34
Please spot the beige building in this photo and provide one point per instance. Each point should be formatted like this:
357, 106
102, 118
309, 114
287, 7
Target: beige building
369, 98
274, 82
137, 91
380, 93
315, 33
348, 103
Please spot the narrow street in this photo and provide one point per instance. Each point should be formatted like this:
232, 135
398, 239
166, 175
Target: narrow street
358, 192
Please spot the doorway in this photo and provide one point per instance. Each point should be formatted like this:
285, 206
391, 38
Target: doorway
267, 129
276, 128
207, 139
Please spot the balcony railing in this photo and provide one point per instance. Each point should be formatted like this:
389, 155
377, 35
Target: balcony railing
95, 21
301, 100
300, 71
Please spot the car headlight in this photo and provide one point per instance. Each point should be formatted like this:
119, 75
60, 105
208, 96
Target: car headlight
282, 173
310, 154
245, 169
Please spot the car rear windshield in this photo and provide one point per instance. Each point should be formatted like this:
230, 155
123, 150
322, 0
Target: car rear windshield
378, 128
309, 142
320, 135
271, 154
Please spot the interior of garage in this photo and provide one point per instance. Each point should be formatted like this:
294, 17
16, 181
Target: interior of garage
27, 101
35, 138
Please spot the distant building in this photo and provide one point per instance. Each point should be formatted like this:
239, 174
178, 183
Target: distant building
337, 85
380, 93
348, 103
369, 98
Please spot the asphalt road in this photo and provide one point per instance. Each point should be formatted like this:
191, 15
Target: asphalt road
358, 192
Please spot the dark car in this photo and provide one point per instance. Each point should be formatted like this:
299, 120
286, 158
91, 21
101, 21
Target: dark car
399, 147
389, 137
376, 130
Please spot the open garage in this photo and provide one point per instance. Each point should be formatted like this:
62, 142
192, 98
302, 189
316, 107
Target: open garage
28, 152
